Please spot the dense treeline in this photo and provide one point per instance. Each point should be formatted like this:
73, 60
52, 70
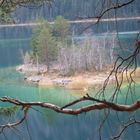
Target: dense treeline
71, 9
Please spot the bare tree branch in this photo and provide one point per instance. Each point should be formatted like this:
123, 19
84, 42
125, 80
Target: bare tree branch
116, 6
18, 122
103, 12
125, 127
100, 105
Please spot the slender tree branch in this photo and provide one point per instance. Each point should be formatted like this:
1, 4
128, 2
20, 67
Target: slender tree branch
103, 12
12, 125
116, 6
125, 127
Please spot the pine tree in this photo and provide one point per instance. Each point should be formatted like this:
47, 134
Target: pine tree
61, 29
43, 44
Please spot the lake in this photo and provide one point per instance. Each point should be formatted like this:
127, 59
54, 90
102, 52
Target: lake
44, 124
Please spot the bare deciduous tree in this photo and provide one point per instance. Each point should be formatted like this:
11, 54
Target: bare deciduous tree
92, 54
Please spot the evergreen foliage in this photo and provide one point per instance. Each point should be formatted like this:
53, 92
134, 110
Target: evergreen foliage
44, 44
61, 29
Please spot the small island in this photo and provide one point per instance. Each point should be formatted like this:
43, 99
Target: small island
59, 58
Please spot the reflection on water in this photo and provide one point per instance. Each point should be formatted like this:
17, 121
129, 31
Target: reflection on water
10, 51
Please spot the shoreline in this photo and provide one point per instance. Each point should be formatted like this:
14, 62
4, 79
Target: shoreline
79, 81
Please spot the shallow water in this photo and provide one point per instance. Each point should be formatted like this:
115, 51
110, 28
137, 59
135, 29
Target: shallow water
44, 124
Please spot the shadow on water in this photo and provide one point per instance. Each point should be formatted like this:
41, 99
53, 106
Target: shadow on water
44, 124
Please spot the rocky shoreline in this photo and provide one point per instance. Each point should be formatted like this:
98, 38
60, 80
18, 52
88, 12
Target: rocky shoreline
80, 81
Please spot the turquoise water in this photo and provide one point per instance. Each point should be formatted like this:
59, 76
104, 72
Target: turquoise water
44, 124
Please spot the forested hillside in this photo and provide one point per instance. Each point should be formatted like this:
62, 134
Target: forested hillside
73, 10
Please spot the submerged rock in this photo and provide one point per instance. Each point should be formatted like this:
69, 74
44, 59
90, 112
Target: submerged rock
61, 82
34, 79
